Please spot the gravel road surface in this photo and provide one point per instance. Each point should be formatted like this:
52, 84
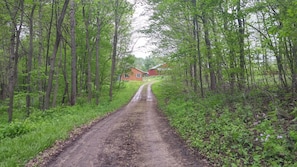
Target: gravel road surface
137, 135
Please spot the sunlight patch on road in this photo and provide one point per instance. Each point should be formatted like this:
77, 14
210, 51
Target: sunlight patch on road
149, 93
137, 96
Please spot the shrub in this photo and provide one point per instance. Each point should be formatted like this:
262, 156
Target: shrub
231, 130
15, 129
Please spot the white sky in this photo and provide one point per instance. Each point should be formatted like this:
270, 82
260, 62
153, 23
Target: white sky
142, 47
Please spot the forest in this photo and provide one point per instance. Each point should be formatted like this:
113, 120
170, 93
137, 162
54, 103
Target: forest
230, 91
59, 52
231, 87
59, 67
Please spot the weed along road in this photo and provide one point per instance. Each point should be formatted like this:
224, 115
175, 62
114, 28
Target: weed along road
136, 135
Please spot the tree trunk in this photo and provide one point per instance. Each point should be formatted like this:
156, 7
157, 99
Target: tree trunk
280, 67
73, 55
197, 38
11, 76
54, 103
294, 73
53, 59
65, 97
240, 21
14, 48
186, 77
232, 61
88, 55
47, 50
208, 52
2, 87
40, 53
218, 54
29, 62
114, 49
97, 77
196, 46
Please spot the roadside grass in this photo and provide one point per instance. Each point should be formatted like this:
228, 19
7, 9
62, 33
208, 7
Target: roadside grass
237, 130
23, 139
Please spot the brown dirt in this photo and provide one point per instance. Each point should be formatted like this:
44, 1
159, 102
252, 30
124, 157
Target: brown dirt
138, 135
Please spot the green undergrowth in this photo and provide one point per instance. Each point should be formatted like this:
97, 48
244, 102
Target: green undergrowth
23, 139
237, 130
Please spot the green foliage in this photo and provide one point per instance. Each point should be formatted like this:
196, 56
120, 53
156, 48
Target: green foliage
227, 131
23, 140
15, 129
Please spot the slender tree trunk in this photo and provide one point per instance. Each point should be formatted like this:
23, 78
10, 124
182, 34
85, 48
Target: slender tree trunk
114, 49
280, 67
186, 77
2, 87
209, 52
47, 51
88, 55
66, 92
288, 52
97, 77
196, 46
40, 53
11, 79
194, 74
232, 68
3, 77
53, 59
294, 73
191, 76
218, 54
250, 78
57, 73
14, 48
29, 62
241, 47
73, 55
232, 61
197, 38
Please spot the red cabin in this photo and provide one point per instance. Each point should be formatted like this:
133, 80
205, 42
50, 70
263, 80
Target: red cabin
157, 70
134, 75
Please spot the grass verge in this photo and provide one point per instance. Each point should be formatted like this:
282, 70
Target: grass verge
22, 140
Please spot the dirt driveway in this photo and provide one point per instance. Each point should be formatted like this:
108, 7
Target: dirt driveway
137, 135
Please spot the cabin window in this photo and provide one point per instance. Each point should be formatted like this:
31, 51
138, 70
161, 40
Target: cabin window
138, 75
126, 76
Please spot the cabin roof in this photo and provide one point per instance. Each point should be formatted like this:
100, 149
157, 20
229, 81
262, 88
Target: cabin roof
157, 66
